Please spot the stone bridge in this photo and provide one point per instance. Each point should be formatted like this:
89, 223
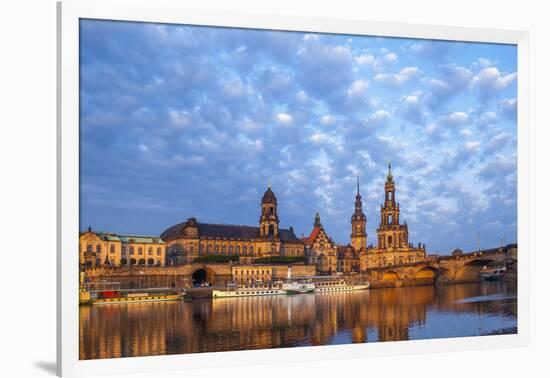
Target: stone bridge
463, 267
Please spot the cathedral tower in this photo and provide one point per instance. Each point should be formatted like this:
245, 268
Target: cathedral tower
391, 234
269, 220
358, 224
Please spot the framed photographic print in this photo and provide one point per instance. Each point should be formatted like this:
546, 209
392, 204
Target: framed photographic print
240, 188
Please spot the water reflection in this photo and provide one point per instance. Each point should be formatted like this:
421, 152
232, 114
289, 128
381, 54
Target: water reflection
124, 330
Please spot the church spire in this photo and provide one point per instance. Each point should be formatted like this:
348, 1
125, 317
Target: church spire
389, 177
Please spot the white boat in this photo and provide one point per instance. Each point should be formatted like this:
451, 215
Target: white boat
299, 287
338, 285
235, 291
492, 273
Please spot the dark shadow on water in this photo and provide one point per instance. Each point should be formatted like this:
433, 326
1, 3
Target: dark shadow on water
47, 366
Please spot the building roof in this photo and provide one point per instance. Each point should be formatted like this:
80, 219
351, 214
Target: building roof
269, 196
129, 238
311, 238
224, 231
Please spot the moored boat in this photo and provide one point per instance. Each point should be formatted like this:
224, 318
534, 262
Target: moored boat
94, 297
338, 285
493, 273
259, 289
298, 287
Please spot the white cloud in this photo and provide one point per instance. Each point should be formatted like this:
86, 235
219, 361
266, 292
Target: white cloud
412, 109
390, 57
358, 88
179, 118
509, 108
489, 81
365, 60
302, 97
472, 146
466, 132
454, 119
284, 119
488, 118
328, 120
396, 80
379, 118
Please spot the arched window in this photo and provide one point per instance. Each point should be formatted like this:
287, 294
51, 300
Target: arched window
150, 251
209, 248
390, 241
216, 248
230, 249
224, 249
390, 219
98, 248
131, 250
238, 249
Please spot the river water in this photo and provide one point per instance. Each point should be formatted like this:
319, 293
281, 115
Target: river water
207, 325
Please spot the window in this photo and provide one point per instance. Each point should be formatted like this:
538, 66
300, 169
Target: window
89, 248
244, 250
123, 250
231, 249
131, 250
389, 241
112, 249
238, 249
140, 251
191, 248
224, 249
150, 251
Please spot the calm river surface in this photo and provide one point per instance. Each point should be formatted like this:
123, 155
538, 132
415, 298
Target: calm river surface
410, 313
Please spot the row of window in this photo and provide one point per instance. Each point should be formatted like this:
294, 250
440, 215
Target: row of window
258, 272
140, 251
90, 248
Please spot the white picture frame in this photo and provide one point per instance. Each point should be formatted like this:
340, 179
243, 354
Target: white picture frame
166, 11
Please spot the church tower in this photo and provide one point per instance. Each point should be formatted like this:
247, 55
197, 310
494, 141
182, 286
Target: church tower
269, 220
391, 234
358, 224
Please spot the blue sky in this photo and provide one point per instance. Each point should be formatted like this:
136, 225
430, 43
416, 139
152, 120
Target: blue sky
180, 121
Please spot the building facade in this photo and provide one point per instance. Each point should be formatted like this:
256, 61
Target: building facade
393, 246
320, 250
191, 239
109, 249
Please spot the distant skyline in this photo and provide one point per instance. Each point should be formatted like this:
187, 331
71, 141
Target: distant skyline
187, 121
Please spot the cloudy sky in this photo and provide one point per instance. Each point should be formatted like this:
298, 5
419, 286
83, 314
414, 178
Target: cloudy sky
180, 121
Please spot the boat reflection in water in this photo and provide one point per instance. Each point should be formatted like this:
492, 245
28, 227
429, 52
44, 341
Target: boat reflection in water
408, 313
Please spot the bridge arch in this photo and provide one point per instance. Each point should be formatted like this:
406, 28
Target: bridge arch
202, 275
470, 271
390, 275
427, 272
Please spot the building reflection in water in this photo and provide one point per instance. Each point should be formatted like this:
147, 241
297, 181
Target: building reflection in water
124, 330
